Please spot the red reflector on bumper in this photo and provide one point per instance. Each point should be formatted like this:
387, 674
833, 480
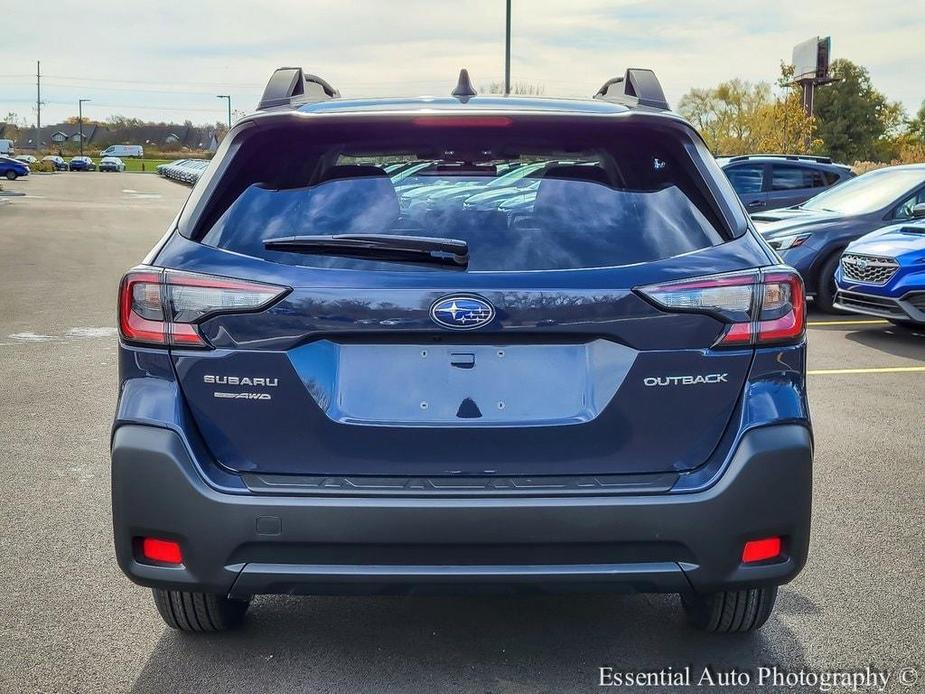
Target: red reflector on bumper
761, 550
163, 551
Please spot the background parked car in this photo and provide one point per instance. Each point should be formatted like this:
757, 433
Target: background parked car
183, 170
883, 273
812, 236
161, 169
772, 181
6, 148
123, 151
81, 164
26, 158
12, 169
112, 164
56, 161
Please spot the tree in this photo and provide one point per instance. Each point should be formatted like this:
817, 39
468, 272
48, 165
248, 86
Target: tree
917, 124
856, 121
73, 120
120, 122
14, 119
739, 117
519, 88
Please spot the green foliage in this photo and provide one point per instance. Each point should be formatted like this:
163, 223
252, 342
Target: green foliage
853, 121
143, 165
739, 117
917, 124
856, 121
41, 166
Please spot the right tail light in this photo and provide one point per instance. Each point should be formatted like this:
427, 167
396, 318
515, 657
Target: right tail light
761, 307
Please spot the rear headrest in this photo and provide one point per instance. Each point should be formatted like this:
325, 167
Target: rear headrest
573, 172
350, 199
353, 171
567, 194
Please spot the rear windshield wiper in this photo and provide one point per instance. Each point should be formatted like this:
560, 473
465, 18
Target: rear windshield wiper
423, 250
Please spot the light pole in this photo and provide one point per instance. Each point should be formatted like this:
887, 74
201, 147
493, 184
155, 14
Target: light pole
227, 96
507, 52
80, 122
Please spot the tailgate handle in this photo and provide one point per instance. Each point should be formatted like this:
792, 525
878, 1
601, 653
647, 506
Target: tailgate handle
462, 360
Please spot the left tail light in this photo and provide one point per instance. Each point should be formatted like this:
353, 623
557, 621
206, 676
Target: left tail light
760, 307
163, 307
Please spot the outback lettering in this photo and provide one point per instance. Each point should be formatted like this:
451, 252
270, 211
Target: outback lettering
685, 380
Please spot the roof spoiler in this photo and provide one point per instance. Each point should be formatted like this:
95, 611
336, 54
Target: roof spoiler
639, 87
289, 85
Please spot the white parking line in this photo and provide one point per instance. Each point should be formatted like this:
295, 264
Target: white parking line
847, 322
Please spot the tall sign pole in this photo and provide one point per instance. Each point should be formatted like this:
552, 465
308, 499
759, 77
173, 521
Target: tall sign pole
507, 51
811, 69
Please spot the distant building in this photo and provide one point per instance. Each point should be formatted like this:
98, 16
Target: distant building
166, 136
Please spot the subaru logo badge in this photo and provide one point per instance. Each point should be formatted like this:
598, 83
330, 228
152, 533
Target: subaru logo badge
861, 263
462, 312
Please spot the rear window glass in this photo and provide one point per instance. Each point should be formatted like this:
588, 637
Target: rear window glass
522, 198
785, 177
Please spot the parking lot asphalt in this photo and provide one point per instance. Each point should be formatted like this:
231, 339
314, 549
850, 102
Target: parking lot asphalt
71, 622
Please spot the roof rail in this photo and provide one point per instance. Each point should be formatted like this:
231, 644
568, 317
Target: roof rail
289, 85
639, 87
794, 157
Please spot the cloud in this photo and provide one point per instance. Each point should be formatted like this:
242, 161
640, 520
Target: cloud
167, 60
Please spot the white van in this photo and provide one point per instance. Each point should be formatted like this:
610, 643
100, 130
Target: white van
123, 151
6, 148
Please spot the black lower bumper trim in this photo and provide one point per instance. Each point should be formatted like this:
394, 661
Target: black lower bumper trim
385, 579
910, 307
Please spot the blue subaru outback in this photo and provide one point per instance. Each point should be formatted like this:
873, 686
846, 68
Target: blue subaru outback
324, 390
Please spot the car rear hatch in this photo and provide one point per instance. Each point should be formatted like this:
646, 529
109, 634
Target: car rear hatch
559, 348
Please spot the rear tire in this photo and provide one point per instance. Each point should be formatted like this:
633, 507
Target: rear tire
11, 175
731, 611
825, 284
199, 612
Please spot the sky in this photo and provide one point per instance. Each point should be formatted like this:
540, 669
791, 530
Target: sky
167, 60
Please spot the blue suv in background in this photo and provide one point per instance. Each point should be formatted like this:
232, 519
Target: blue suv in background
772, 181
324, 389
883, 273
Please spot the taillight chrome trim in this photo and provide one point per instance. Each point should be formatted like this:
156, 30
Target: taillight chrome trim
170, 330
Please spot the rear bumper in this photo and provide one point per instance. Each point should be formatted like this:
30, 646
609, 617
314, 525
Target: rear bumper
243, 544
